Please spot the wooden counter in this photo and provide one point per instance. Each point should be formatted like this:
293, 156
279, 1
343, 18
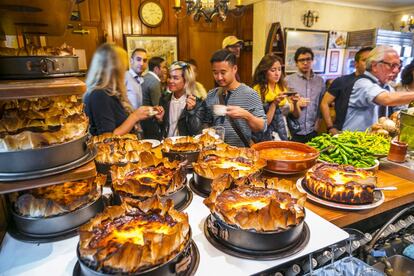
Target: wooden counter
35, 88
393, 199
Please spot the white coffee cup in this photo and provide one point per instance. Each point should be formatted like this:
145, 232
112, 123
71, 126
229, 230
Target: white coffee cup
152, 111
219, 110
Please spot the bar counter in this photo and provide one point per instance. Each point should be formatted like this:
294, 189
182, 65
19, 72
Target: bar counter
387, 176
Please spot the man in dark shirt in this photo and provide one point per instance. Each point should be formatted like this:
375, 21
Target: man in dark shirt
339, 93
151, 87
151, 93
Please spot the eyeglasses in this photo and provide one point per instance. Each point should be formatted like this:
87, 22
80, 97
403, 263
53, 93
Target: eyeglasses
392, 65
305, 60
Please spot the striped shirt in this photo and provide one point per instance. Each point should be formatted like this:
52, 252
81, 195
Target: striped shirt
242, 96
313, 89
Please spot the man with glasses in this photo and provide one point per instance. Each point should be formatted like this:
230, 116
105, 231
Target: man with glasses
243, 110
340, 91
311, 89
371, 90
133, 77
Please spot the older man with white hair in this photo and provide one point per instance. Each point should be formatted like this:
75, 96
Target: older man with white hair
371, 89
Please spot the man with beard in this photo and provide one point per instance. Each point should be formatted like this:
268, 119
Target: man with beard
371, 91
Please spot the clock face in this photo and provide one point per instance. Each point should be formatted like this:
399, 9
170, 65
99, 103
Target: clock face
151, 13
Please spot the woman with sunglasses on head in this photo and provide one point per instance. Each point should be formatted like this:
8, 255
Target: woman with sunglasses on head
268, 82
183, 111
106, 101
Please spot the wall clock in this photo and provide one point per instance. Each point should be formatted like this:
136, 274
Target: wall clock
151, 13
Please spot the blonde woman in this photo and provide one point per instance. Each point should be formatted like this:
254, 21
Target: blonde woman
183, 111
106, 102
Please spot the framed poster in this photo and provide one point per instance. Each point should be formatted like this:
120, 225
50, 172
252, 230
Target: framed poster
156, 46
316, 40
334, 61
337, 39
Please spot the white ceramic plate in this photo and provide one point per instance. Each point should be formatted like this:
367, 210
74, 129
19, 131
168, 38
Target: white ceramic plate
199, 135
155, 143
378, 199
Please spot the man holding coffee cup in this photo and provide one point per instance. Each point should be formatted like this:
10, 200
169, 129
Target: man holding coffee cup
233, 105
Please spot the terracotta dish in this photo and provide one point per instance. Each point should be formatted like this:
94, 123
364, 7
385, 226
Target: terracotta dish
286, 157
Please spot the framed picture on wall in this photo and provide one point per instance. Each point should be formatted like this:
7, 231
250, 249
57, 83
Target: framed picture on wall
334, 61
156, 46
316, 40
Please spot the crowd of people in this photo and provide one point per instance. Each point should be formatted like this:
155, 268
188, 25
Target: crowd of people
168, 101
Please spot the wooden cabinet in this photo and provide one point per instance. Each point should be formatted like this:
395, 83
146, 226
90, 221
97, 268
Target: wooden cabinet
3, 217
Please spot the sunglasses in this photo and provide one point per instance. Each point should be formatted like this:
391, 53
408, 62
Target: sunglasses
180, 64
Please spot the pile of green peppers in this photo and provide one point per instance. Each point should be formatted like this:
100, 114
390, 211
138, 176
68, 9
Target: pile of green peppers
358, 149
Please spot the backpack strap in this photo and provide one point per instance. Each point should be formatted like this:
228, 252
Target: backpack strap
233, 124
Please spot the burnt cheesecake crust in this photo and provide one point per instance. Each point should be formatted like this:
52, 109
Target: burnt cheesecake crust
131, 238
341, 183
58, 199
262, 205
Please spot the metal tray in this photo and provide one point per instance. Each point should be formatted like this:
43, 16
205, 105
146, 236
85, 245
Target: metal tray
30, 160
378, 199
84, 159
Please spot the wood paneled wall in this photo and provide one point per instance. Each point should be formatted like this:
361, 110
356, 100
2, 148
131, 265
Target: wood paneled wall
197, 40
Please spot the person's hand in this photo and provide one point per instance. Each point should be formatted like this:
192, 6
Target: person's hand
278, 100
236, 112
294, 98
160, 114
191, 102
142, 113
304, 102
333, 131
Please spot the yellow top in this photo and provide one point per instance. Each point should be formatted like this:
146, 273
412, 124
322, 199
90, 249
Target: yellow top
270, 96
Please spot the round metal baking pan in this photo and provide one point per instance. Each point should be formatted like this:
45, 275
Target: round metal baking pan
185, 263
56, 225
196, 188
86, 158
202, 184
43, 158
16, 234
181, 198
189, 156
252, 240
264, 255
